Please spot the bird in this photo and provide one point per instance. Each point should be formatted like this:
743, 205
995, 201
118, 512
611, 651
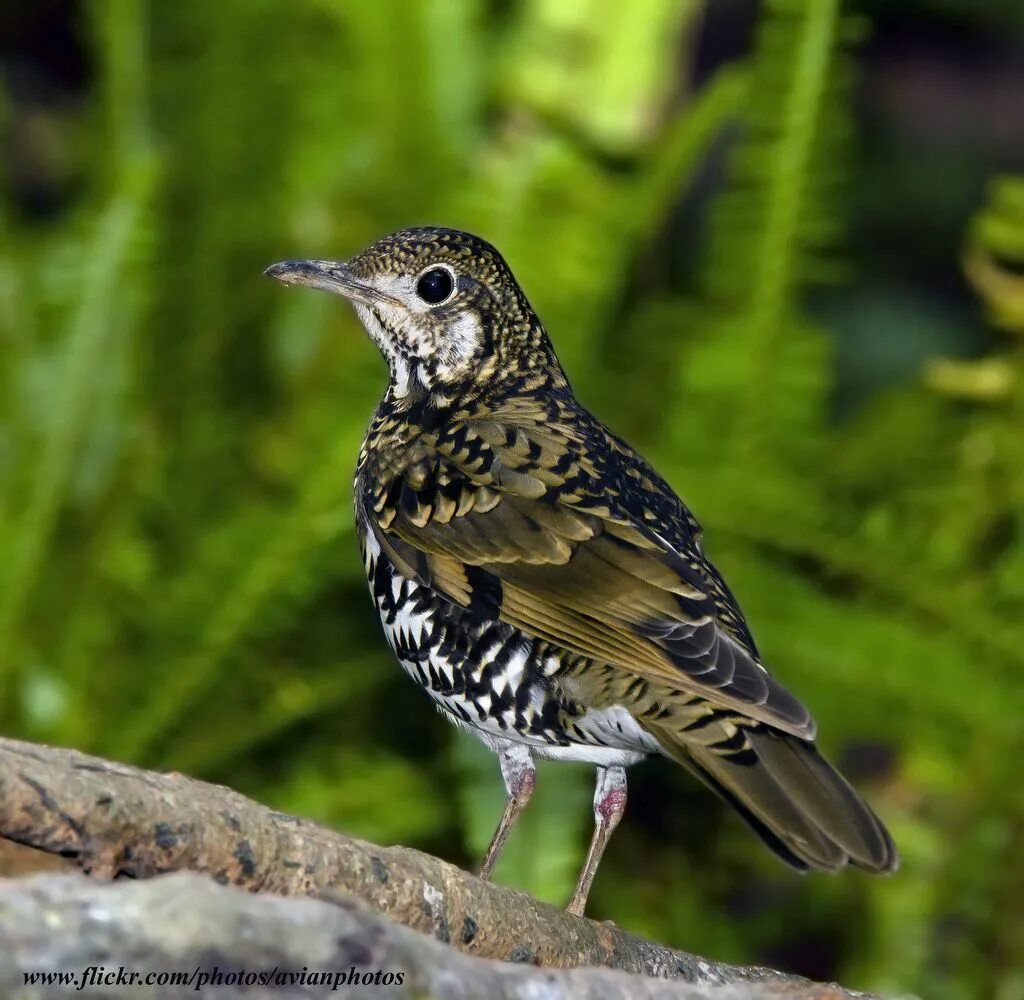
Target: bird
543, 584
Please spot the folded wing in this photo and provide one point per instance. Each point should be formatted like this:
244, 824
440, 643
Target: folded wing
518, 516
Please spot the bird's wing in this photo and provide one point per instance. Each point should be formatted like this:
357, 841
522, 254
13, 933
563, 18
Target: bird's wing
555, 527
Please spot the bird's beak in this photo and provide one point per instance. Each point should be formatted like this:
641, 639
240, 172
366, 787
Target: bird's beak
329, 275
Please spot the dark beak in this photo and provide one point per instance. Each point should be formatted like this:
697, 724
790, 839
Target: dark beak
329, 275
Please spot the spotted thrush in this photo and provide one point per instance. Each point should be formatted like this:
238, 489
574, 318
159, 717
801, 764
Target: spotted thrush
543, 584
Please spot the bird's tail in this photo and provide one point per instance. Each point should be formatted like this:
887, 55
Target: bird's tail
800, 805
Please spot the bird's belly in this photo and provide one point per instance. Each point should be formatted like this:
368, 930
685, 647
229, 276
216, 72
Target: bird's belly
490, 678
605, 736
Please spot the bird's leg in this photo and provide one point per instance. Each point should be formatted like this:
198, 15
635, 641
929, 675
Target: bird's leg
520, 775
609, 805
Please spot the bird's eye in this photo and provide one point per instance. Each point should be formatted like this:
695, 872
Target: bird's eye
435, 285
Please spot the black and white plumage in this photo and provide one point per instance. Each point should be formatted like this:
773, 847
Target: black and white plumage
543, 584
488, 677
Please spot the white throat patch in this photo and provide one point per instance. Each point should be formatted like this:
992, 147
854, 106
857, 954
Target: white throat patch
397, 362
418, 350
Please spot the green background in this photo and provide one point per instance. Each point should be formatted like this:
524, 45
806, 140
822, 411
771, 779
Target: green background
778, 248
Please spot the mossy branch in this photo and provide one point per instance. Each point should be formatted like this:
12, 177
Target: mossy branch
112, 821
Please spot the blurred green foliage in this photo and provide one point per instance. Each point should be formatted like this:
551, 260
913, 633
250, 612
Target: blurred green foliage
179, 580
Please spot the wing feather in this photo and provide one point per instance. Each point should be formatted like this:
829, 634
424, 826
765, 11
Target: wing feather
586, 565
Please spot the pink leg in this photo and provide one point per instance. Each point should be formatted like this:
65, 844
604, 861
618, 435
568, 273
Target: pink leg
520, 776
609, 805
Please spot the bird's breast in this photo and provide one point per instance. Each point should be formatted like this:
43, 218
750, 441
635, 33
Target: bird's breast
489, 677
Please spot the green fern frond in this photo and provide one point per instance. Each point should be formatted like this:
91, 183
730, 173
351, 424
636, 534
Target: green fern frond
575, 65
222, 734
758, 372
315, 523
995, 253
993, 262
779, 209
84, 353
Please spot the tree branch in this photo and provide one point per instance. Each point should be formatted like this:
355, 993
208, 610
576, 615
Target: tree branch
139, 927
113, 820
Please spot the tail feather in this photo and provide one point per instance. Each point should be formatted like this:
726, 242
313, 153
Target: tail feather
800, 805
825, 796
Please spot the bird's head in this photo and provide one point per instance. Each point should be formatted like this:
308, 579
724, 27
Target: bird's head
442, 306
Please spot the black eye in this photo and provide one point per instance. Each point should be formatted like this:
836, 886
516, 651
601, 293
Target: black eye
435, 285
